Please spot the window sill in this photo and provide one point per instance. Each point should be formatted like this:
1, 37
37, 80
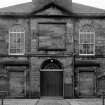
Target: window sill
16, 54
86, 54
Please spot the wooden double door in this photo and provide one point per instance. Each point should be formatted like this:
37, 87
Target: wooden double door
51, 83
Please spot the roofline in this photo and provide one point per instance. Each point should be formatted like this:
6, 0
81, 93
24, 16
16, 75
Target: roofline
69, 14
72, 15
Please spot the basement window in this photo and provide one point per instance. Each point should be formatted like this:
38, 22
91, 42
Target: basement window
87, 40
17, 40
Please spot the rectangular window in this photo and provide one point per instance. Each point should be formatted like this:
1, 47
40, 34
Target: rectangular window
16, 42
86, 43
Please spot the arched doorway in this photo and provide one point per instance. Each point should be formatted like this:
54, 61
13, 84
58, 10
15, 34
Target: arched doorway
51, 78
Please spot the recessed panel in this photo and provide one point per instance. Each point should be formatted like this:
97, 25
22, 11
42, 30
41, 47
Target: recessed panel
51, 36
16, 84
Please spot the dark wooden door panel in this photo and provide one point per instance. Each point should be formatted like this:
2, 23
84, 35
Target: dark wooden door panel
51, 83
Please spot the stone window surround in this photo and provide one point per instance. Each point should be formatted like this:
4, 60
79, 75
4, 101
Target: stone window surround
85, 32
15, 30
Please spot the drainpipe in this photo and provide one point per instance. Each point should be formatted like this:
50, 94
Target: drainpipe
103, 98
73, 58
2, 100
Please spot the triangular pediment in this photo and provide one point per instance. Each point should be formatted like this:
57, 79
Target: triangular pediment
64, 4
51, 9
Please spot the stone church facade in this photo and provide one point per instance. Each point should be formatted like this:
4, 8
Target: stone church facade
52, 48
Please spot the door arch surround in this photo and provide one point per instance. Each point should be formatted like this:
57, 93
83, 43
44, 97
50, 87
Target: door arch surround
51, 78
56, 63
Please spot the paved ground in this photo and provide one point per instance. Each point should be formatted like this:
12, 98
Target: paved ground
20, 101
52, 101
85, 101
70, 102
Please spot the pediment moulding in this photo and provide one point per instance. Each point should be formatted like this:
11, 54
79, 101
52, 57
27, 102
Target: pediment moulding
65, 4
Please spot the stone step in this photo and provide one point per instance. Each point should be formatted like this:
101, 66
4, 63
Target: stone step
52, 102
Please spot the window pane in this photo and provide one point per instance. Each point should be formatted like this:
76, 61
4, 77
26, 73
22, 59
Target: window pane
18, 51
13, 50
92, 38
92, 41
91, 48
81, 40
88, 35
81, 35
82, 50
92, 35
